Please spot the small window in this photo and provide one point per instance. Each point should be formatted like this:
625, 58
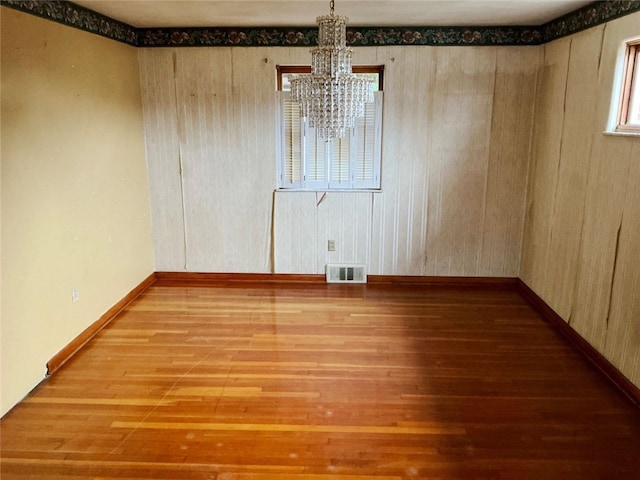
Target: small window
629, 105
309, 162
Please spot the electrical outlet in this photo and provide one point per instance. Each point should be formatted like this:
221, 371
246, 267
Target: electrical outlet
74, 295
331, 245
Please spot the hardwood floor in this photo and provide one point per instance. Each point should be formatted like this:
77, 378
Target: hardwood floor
274, 382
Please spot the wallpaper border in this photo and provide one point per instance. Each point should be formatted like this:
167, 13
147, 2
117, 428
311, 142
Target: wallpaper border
586, 17
73, 15
356, 36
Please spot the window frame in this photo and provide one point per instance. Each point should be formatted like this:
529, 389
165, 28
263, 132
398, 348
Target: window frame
629, 89
327, 183
302, 69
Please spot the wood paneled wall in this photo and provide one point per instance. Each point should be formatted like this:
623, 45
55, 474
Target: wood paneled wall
456, 141
581, 245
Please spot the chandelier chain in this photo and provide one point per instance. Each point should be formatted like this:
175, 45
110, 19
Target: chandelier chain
332, 5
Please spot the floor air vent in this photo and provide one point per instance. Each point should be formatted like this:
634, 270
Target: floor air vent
346, 274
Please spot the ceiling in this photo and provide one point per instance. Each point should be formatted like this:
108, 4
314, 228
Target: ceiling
302, 13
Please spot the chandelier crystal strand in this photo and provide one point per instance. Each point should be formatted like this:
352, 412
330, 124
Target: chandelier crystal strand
332, 97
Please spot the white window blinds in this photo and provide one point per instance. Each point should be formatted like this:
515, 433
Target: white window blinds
310, 162
291, 141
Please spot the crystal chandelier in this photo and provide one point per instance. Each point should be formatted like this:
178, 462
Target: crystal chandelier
332, 97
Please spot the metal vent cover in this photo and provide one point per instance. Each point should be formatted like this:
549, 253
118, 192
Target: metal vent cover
347, 273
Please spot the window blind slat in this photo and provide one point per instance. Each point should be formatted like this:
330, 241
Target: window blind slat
316, 155
291, 143
366, 140
364, 136
340, 162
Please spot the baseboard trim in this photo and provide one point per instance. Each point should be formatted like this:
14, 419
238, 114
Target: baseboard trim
169, 279
584, 347
81, 340
463, 282
177, 279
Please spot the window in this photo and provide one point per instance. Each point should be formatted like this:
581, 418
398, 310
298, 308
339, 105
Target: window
309, 162
629, 103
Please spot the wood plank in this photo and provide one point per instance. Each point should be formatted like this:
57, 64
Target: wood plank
284, 380
506, 169
161, 121
574, 163
546, 147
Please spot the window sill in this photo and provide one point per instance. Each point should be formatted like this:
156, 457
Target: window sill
621, 134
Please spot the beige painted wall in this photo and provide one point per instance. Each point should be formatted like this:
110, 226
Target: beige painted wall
581, 246
456, 141
75, 208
